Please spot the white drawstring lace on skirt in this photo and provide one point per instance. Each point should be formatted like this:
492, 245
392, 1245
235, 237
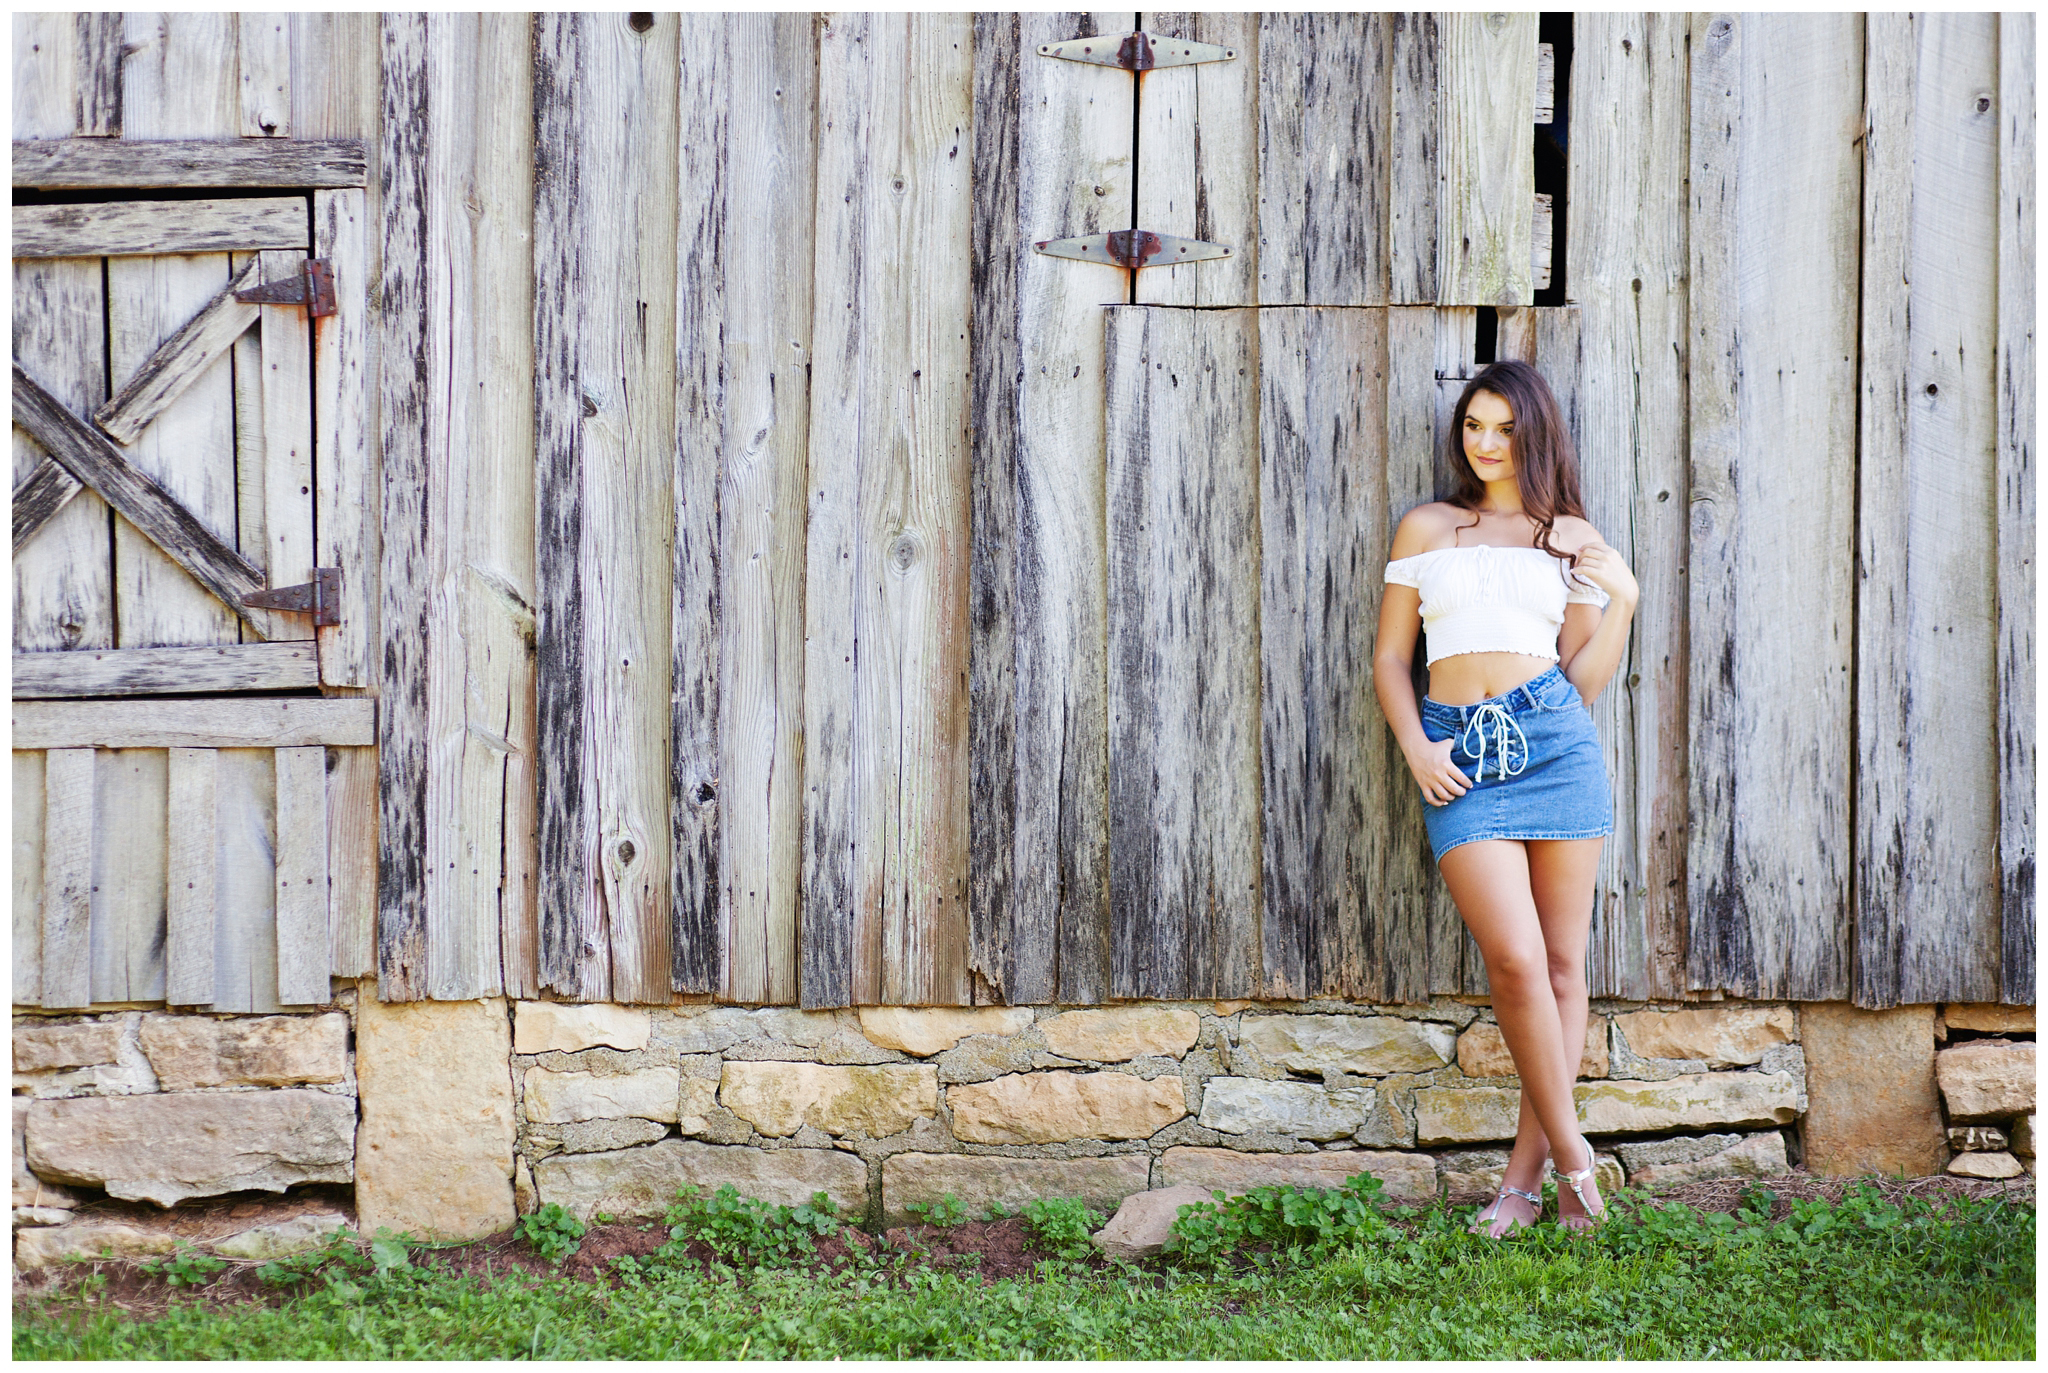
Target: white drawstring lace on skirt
1496, 716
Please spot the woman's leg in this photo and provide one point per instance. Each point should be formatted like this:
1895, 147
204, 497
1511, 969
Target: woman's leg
1490, 881
1562, 874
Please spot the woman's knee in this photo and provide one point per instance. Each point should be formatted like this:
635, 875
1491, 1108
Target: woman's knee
1517, 968
1567, 976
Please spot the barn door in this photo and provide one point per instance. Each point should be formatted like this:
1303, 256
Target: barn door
187, 445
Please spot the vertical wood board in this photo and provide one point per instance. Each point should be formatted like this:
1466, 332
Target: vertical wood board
192, 873
1486, 92
1198, 137
70, 834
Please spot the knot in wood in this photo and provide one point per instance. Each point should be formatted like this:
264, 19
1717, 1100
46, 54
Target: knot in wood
626, 852
903, 551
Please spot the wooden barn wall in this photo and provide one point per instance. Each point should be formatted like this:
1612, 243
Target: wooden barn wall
797, 590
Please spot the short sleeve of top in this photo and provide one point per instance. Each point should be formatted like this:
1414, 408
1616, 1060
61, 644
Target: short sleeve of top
1582, 593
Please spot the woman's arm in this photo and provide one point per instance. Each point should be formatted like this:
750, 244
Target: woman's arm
1393, 663
1591, 644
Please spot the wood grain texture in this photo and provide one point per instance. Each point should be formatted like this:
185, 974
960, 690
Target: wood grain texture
156, 513
352, 861
1772, 373
2016, 503
192, 875
245, 723
97, 103
884, 917
1926, 880
604, 277
1323, 534
1047, 135
346, 468
1412, 65
45, 71
158, 671
69, 840
245, 855
302, 895
93, 164
1486, 89
155, 382
26, 950
285, 358
179, 76
1627, 247
263, 52
63, 580
743, 318
128, 875
157, 226
1184, 786
1324, 159
1198, 139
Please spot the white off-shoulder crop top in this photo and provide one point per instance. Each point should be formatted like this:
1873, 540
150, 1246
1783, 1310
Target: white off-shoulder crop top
1483, 599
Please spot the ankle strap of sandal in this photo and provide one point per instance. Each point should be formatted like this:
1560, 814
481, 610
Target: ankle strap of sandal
1525, 1196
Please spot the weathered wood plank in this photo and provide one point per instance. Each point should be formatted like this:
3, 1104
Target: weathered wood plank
1182, 478
154, 512
192, 874
352, 862
63, 581
245, 911
157, 381
1486, 188
45, 75
97, 111
1047, 134
179, 76
1540, 243
1412, 64
1627, 244
345, 468
246, 723
747, 165
885, 709
1772, 373
91, 164
1926, 903
287, 447
1324, 159
335, 60
115, 227
264, 53
69, 840
1323, 534
1198, 134
26, 950
245, 363
605, 93
302, 895
1546, 80
159, 671
2016, 542
128, 875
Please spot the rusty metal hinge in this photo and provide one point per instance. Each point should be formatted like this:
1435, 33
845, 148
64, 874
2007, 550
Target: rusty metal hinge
1132, 249
313, 288
321, 596
1136, 52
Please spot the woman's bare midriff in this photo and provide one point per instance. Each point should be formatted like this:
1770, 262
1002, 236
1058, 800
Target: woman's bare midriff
1465, 679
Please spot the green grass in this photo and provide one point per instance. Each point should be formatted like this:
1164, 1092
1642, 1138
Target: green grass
1860, 1280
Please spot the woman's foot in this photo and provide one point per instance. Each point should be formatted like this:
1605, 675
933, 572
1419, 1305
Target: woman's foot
1511, 1209
1579, 1206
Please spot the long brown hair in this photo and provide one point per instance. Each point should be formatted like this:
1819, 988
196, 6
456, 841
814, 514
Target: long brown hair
1546, 464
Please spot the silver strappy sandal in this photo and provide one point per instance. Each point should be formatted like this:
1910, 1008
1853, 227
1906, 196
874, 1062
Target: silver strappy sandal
1482, 1224
1577, 1179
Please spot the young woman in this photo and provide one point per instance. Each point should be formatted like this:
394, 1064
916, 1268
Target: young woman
1526, 613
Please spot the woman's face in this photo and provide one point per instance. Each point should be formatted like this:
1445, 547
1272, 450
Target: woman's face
1489, 427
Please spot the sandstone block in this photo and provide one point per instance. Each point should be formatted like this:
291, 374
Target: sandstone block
1976, 1139
1986, 1079
2023, 1135
2000, 1165
89, 1240
1306, 1110
2004, 1020
294, 1236
778, 1098
1044, 1108
170, 1146
1144, 1222
694, 1107
434, 1154
1719, 1036
1483, 1052
30, 1190
927, 1030
1227, 1170
1458, 1115
189, 1051
1364, 1045
1117, 1034
647, 1094
1756, 1156
643, 1182
39, 1048
1688, 1102
603, 1136
981, 1182
41, 1215
1872, 1103
1682, 1149
540, 1027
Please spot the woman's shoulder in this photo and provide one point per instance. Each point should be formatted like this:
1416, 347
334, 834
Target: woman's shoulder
1424, 528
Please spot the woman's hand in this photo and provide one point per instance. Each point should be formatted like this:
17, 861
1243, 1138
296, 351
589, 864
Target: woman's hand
1441, 780
1603, 567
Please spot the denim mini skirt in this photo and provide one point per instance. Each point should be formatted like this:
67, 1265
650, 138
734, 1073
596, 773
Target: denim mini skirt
1532, 759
